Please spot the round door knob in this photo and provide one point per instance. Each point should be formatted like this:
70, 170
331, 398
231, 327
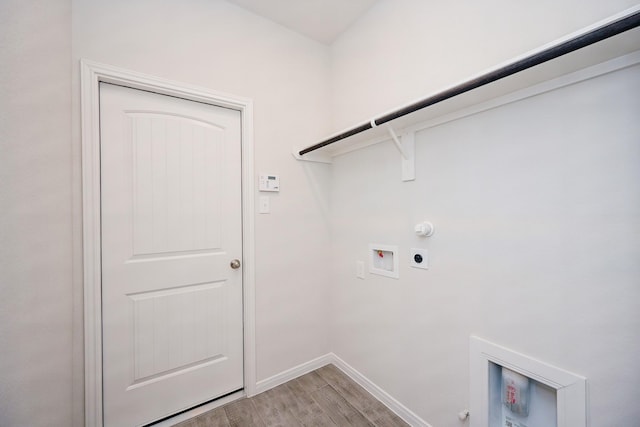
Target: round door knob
235, 264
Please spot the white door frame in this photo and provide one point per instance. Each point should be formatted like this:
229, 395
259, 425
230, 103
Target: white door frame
91, 75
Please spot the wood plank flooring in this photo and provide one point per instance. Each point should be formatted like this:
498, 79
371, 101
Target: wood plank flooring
324, 397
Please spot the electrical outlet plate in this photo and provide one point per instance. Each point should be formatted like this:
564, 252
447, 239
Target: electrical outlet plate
264, 205
419, 258
360, 269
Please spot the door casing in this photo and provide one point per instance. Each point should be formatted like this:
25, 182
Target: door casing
92, 74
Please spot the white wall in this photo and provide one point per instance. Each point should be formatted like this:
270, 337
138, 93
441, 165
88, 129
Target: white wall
35, 213
537, 213
224, 48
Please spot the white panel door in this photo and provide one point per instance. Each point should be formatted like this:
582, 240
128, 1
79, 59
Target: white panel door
171, 225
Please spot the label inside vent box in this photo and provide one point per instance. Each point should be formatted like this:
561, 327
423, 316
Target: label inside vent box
510, 422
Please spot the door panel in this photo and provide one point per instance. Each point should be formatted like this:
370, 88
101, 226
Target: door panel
177, 328
176, 196
171, 223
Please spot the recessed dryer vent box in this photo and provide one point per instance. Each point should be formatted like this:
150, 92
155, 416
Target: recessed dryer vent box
510, 389
383, 260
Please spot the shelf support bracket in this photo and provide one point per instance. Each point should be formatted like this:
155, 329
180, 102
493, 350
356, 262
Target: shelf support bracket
406, 146
409, 163
396, 141
311, 157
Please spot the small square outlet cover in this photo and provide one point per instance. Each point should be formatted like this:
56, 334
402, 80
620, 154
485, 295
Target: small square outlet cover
419, 258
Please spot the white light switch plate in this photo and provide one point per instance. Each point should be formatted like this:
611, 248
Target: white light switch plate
264, 205
360, 269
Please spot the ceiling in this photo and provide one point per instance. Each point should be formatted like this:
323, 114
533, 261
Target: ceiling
321, 20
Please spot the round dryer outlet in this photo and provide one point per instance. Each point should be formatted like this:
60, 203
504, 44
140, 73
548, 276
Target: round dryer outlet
419, 258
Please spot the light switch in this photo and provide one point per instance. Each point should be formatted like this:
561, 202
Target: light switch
360, 269
264, 205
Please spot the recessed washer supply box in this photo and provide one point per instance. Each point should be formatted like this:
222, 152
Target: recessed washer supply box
383, 260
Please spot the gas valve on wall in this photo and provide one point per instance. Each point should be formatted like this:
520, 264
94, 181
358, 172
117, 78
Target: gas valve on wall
424, 229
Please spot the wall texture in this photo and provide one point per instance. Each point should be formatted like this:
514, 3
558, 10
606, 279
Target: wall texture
536, 206
35, 213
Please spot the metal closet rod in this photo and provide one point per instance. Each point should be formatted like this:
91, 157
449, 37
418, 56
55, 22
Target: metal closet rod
594, 36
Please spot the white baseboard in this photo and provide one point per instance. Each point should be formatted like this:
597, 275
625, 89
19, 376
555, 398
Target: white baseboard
294, 373
402, 411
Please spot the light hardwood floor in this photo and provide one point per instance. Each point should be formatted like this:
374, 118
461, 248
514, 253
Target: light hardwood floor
324, 397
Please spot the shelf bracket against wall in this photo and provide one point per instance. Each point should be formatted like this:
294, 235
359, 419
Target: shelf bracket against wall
409, 164
397, 142
406, 145
311, 157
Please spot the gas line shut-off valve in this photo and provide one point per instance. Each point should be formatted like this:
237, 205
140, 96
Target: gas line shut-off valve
424, 229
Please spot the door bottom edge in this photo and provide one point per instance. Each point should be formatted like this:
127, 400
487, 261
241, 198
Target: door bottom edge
198, 409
